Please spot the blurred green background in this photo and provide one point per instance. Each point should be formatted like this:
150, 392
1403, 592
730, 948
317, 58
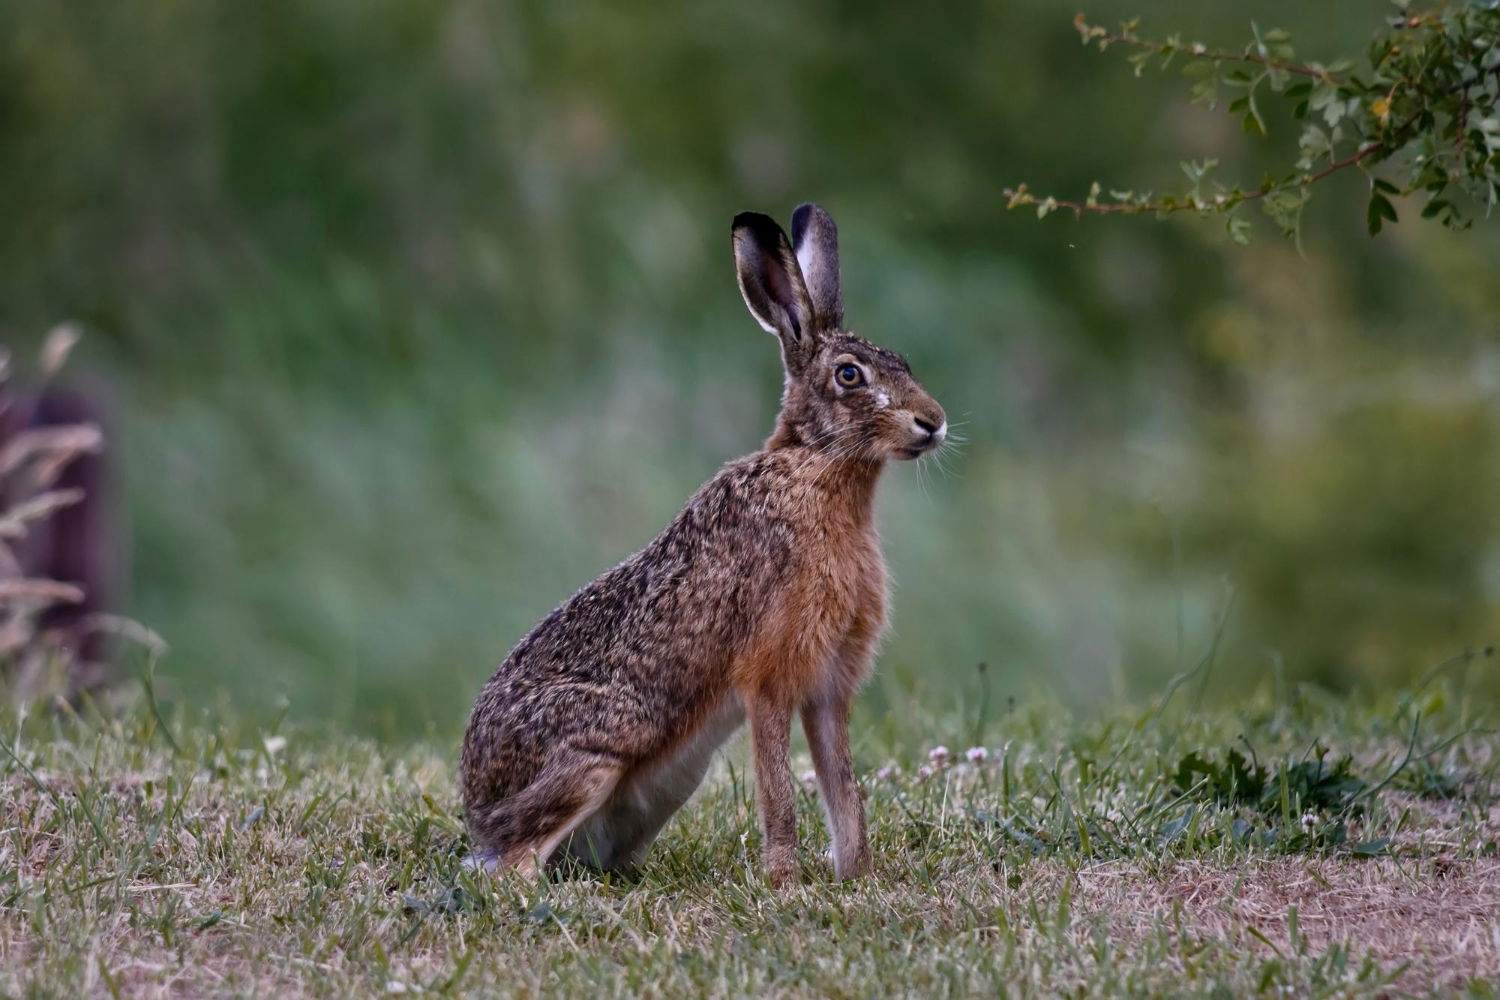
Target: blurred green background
421, 314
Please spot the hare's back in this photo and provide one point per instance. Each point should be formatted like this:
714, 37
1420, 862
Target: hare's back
633, 661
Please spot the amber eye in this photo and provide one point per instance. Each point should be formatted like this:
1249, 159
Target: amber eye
849, 376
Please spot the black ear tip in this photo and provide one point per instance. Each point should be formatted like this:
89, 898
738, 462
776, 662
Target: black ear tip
755, 221
763, 230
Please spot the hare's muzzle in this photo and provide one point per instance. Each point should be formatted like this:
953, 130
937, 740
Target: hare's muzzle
928, 431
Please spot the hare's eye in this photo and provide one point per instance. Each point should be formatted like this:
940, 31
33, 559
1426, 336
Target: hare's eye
849, 376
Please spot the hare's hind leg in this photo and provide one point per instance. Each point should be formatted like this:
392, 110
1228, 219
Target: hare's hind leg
619, 834
523, 831
616, 837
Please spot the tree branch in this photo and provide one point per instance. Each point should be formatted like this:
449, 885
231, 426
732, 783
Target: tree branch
1222, 202
1198, 50
1193, 204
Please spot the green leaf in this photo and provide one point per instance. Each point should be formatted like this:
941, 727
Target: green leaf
1379, 209
1315, 144
1196, 170
1433, 207
1321, 96
1253, 121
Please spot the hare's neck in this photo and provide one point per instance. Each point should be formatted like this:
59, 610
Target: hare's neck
849, 482
789, 433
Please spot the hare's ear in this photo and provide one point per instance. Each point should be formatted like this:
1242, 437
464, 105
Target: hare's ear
815, 239
772, 285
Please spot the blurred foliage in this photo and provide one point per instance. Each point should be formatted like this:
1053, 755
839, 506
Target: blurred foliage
1425, 103
35, 661
423, 314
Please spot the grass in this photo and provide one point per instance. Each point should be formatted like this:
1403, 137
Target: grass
1309, 848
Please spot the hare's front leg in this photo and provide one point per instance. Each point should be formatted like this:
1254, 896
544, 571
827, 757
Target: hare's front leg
826, 722
825, 719
771, 733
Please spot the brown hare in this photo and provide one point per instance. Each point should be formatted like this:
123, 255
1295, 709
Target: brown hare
764, 597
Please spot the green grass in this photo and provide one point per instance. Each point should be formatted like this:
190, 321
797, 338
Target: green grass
1145, 852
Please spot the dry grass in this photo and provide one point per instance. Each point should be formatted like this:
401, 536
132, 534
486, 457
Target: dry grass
1438, 919
248, 863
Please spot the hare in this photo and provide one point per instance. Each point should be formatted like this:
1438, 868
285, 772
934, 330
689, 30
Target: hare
764, 597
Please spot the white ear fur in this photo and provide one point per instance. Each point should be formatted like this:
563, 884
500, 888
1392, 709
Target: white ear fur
816, 241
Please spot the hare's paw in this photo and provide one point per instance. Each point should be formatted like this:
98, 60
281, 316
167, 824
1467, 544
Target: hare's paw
781, 867
482, 861
857, 866
526, 864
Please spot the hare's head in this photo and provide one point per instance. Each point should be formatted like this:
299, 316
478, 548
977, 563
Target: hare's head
843, 393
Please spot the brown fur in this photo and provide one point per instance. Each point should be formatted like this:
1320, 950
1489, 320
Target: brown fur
765, 596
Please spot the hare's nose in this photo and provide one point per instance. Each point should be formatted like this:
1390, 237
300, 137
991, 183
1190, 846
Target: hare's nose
934, 432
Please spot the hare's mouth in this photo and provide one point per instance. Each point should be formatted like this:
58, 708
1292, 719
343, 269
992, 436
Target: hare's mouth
932, 439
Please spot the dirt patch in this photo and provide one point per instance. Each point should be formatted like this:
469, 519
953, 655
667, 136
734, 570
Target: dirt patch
1442, 916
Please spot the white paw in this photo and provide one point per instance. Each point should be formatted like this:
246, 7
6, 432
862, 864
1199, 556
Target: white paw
486, 861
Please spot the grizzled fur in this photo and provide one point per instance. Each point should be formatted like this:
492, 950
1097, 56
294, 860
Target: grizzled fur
764, 597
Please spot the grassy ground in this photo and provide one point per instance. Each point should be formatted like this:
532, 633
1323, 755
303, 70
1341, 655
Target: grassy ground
1303, 848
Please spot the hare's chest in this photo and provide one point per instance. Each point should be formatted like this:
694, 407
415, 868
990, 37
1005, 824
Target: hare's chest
850, 618
848, 585
867, 584
860, 569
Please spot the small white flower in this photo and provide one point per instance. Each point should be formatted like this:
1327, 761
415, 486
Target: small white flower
924, 772
939, 756
1309, 822
810, 780
395, 986
977, 755
275, 744
1199, 48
